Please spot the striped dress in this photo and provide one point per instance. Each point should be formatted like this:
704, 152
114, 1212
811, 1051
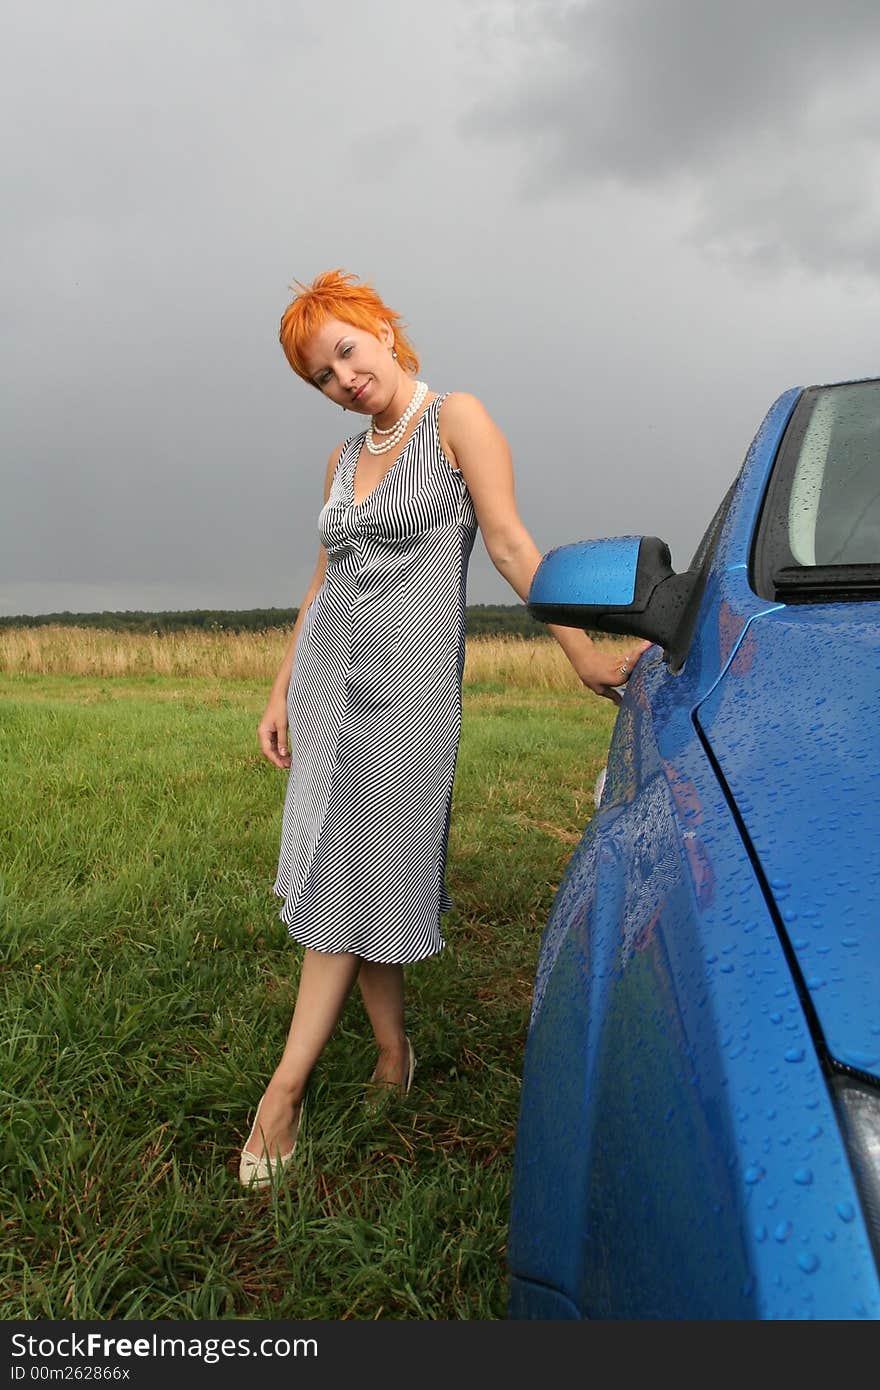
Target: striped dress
374, 709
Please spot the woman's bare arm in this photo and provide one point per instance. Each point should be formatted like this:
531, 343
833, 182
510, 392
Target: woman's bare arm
272, 729
483, 455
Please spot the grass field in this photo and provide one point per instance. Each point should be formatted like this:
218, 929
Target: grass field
148, 986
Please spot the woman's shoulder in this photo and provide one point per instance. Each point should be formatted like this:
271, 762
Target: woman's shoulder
459, 400
464, 425
462, 407
462, 414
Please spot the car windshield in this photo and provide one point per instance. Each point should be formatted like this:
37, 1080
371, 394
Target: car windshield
834, 503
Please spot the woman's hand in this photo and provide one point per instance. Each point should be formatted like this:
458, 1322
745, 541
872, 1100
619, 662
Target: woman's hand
272, 732
604, 671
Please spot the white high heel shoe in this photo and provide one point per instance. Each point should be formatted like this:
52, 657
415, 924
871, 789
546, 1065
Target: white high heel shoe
259, 1170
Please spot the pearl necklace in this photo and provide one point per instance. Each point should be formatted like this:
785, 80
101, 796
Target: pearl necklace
396, 431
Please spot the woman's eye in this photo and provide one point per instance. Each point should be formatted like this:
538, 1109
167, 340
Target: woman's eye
347, 351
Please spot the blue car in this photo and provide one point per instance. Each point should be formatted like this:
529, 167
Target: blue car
699, 1132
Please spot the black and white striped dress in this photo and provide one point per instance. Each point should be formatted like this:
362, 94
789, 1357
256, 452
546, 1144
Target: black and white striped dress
374, 709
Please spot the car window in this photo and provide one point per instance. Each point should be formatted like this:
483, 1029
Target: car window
819, 534
834, 506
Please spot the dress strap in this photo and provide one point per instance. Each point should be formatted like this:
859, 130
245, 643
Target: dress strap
435, 406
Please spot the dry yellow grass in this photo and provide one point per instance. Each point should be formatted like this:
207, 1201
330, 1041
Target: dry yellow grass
81, 651
538, 664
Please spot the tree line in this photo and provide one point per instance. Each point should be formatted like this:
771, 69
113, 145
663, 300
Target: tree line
483, 620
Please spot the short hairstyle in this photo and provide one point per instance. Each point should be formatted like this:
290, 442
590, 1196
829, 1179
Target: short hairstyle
337, 295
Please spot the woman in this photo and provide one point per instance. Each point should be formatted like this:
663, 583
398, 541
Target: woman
366, 707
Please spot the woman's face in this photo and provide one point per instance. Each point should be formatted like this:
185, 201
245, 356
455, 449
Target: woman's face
352, 367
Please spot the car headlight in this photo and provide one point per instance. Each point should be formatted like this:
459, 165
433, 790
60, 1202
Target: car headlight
858, 1106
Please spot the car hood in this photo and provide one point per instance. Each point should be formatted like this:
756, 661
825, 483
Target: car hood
792, 728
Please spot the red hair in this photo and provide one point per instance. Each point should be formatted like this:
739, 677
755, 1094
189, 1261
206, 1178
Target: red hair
336, 295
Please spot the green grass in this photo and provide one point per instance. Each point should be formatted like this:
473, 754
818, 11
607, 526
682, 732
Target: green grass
148, 986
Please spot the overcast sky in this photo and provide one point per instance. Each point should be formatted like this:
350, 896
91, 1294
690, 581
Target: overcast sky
626, 226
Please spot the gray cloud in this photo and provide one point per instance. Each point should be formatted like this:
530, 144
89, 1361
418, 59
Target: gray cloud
761, 118
172, 168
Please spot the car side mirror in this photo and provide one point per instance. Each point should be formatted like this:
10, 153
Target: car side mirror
625, 584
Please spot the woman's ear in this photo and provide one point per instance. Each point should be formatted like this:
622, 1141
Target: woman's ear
386, 334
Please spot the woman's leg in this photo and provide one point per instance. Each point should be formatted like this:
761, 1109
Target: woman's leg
324, 985
382, 989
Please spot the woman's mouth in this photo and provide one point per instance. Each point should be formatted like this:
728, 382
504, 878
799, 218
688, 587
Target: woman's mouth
360, 391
